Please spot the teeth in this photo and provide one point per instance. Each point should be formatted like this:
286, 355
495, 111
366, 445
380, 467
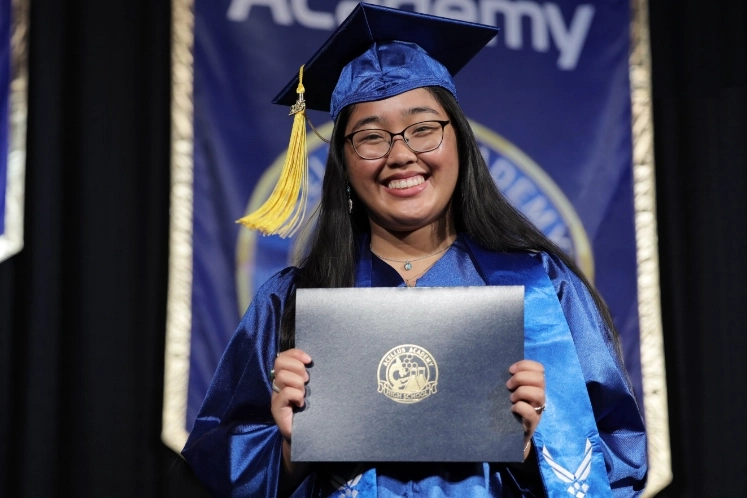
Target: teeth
408, 183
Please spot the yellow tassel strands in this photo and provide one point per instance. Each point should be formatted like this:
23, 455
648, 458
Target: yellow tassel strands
282, 214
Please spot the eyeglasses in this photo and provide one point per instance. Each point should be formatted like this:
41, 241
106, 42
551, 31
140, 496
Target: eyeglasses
419, 137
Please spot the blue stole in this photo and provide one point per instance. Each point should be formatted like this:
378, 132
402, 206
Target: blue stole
566, 442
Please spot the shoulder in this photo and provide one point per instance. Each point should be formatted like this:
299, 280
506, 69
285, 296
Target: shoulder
281, 282
553, 264
272, 295
559, 273
575, 296
587, 317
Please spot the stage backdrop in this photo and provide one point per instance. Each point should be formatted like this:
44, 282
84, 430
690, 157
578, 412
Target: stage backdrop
550, 103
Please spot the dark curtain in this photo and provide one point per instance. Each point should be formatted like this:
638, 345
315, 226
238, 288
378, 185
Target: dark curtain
699, 54
82, 307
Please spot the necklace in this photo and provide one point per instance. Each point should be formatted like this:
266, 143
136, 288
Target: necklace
410, 282
408, 262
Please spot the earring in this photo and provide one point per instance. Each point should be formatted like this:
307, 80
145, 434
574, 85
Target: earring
350, 200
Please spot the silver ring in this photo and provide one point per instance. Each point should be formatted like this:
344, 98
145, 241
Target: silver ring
272, 374
275, 387
541, 409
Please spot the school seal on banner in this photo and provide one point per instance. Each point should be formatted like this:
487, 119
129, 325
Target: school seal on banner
524, 183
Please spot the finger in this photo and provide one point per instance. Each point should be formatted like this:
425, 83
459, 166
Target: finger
526, 378
290, 363
526, 365
288, 396
529, 417
288, 378
282, 405
535, 396
297, 354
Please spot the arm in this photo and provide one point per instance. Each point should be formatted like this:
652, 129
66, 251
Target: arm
615, 408
235, 447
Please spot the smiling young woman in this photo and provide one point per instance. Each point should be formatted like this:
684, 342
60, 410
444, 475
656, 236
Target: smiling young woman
405, 194
407, 200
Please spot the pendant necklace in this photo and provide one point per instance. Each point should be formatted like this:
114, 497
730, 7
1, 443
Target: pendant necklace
410, 282
408, 262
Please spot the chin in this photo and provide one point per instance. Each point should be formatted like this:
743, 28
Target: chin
409, 224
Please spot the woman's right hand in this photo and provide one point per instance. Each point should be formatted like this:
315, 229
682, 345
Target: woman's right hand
290, 379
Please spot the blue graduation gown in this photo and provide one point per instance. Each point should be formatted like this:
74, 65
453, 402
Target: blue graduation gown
235, 446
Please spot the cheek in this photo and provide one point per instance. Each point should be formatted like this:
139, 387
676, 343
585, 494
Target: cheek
356, 175
362, 174
450, 163
353, 170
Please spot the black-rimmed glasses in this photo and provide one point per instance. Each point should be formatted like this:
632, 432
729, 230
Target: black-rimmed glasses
419, 137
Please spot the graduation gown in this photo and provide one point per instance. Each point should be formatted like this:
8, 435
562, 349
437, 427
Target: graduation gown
590, 441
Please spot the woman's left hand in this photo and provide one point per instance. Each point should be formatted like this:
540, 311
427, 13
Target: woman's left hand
527, 386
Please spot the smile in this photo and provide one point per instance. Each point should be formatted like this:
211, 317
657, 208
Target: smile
406, 183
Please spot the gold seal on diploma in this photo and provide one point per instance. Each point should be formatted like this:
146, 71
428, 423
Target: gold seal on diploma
407, 374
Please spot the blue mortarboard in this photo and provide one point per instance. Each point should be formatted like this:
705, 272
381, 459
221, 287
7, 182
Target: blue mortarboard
379, 52
376, 53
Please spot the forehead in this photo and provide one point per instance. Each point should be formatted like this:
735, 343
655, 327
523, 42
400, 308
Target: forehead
418, 103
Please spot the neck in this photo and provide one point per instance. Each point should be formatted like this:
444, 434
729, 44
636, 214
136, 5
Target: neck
414, 243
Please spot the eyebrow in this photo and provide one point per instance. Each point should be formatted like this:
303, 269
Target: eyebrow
365, 121
413, 111
420, 110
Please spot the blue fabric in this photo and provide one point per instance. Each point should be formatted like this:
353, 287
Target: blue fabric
386, 70
615, 409
381, 52
571, 455
235, 447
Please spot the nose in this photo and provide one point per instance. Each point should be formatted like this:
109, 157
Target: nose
400, 153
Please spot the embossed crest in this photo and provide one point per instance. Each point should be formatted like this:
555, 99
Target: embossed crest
407, 374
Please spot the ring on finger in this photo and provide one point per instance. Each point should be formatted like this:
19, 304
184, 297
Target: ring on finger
272, 374
540, 409
275, 387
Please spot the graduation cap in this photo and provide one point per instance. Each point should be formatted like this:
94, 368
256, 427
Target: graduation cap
376, 53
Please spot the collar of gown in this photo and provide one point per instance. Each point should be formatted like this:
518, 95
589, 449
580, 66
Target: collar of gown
456, 267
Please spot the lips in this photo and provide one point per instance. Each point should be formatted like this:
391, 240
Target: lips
404, 183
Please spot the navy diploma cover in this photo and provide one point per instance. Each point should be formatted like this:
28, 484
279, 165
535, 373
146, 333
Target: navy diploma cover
409, 374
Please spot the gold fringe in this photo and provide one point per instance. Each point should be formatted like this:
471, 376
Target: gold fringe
283, 213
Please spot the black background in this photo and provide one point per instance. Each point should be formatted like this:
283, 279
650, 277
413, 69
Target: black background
82, 307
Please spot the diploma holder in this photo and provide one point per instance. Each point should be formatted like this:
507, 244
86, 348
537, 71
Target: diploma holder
409, 374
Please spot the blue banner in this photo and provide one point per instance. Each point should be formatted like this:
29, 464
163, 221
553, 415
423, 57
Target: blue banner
549, 101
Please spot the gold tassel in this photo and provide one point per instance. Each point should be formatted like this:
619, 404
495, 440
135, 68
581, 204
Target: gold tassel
282, 213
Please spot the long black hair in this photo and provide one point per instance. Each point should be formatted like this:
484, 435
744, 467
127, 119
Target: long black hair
478, 207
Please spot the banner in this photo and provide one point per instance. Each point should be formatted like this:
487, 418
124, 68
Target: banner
549, 100
13, 29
